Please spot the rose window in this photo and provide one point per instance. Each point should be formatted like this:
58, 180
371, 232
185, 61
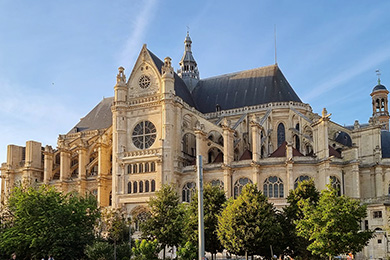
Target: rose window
144, 135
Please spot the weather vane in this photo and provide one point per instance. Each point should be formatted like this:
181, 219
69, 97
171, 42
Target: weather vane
378, 73
188, 29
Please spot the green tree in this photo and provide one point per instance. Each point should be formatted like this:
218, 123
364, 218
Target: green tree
249, 224
213, 203
112, 236
188, 252
293, 244
146, 250
46, 222
166, 218
333, 225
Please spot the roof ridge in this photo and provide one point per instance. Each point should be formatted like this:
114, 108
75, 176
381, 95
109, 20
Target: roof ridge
242, 71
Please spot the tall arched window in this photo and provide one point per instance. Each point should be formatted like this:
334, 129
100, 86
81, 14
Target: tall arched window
135, 168
240, 183
299, 179
187, 192
152, 186
147, 167
135, 187
129, 168
336, 184
141, 167
273, 187
141, 186
153, 167
129, 187
281, 134
146, 186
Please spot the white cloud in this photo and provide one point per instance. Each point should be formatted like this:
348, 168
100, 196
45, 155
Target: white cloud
372, 60
134, 41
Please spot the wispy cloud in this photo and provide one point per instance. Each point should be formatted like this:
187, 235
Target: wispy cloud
370, 61
134, 41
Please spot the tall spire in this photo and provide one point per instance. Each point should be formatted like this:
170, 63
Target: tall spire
188, 68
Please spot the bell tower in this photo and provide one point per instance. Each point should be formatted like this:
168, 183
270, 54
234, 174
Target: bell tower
188, 68
380, 109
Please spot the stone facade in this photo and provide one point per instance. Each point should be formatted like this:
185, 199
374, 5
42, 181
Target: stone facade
150, 132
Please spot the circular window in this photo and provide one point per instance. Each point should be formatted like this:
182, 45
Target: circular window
144, 81
144, 135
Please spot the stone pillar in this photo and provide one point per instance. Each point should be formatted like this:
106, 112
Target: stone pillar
378, 181
82, 154
227, 180
201, 148
256, 175
356, 181
228, 142
256, 141
321, 137
103, 173
48, 164
289, 168
64, 164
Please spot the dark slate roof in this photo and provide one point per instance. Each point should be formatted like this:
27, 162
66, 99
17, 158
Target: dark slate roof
379, 87
246, 88
99, 118
385, 143
281, 151
343, 138
180, 87
334, 152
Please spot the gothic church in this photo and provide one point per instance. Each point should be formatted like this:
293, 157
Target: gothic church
249, 126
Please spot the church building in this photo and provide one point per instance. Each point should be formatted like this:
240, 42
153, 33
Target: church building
249, 126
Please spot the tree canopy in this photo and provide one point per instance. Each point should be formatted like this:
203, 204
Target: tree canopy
213, 203
166, 218
45, 222
249, 224
333, 225
293, 244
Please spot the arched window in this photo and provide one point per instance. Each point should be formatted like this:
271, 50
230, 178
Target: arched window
135, 168
141, 167
336, 184
141, 186
273, 187
299, 179
129, 187
152, 186
297, 141
281, 134
110, 199
135, 187
187, 192
146, 167
217, 183
240, 183
153, 167
139, 219
129, 168
146, 186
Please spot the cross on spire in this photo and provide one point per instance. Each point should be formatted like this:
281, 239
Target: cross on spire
378, 73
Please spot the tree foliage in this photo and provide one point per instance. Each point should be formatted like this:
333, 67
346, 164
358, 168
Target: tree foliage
44, 221
166, 218
293, 244
146, 250
213, 203
249, 224
188, 252
333, 225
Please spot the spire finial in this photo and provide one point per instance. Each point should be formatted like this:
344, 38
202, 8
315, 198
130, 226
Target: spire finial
378, 73
276, 59
188, 30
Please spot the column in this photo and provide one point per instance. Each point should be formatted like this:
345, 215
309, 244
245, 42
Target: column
228, 149
256, 141
82, 154
378, 181
48, 164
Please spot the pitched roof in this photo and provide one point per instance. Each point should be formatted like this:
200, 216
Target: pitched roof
98, 118
246, 88
181, 89
281, 151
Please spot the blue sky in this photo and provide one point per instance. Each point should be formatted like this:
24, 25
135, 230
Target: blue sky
58, 59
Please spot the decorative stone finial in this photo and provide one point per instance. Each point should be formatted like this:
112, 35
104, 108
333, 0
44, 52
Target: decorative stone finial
167, 69
121, 77
325, 113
